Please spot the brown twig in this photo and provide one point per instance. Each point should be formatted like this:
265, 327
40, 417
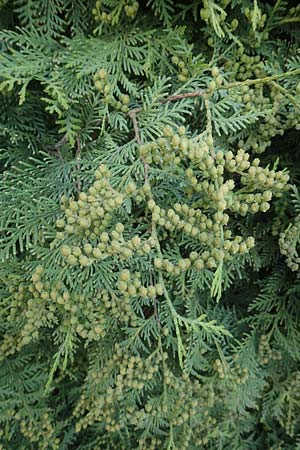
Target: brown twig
57, 146
175, 97
132, 115
172, 98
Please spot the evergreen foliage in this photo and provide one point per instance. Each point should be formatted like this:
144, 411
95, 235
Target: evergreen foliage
150, 237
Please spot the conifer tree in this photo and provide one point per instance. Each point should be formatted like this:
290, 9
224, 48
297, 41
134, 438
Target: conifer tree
150, 238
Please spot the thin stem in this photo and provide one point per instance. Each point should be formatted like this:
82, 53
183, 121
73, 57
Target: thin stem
276, 6
288, 20
78, 166
164, 368
57, 146
175, 97
171, 439
132, 115
208, 115
156, 312
176, 317
171, 98
216, 287
287, 94
260, 80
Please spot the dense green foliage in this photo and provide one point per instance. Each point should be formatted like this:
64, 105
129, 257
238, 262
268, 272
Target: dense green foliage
150, 237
